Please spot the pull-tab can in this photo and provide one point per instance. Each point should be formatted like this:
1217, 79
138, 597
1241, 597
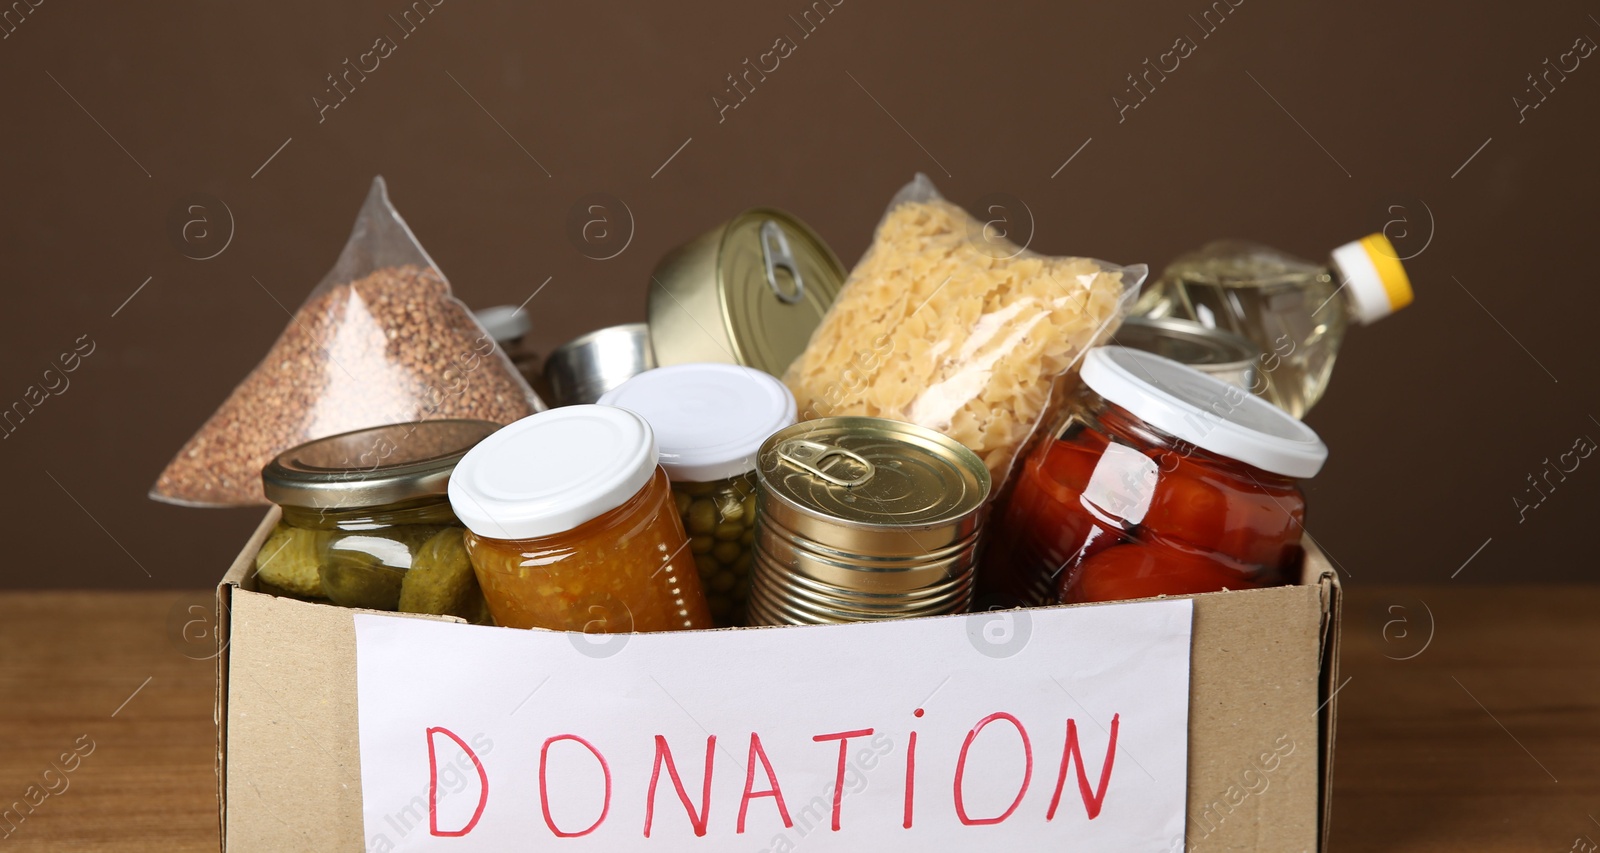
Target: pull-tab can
750, 291
860, 519
775, 252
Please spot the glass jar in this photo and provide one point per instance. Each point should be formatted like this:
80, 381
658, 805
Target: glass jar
571, 526
709, 421
720, 518
1161, 481
366, 521
1294, 310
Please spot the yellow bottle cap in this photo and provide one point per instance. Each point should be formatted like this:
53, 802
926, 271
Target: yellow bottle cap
1371, 269
1390, 271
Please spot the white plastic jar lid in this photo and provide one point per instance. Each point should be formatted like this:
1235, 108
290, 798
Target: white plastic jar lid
1204, 411
709, 419
552, 471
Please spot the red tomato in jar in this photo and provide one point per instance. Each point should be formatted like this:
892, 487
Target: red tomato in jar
1139, 570
1046, 527
1067, 468
1187, 505
1064, 524
1258, 523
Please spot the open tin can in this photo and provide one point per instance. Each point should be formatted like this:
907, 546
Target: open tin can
860, 519
748, 292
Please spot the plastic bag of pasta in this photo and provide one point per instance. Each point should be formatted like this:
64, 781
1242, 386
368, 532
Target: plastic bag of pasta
947, 324
380, 340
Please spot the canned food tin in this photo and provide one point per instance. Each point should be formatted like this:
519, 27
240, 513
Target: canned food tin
862, 519
1215, 352
749, 292
583, 369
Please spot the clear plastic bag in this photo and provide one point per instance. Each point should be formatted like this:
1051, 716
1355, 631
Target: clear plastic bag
946, 324
380, 340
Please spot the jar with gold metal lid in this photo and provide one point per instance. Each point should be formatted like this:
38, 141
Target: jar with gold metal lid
367, 523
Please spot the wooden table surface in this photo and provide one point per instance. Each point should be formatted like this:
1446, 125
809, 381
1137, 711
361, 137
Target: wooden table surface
1469, 719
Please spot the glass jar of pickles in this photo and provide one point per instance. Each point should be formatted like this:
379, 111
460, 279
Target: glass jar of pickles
709, 421
571, 526
367, 523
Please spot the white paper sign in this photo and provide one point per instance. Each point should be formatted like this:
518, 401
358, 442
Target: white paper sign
1030, 730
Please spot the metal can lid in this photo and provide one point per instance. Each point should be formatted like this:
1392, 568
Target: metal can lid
372, 467
583, 369
1188, 342
753, 290
859, 472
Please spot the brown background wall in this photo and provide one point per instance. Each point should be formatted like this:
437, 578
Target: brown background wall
115, 112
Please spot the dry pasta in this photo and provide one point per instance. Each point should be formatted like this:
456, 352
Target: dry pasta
934, 330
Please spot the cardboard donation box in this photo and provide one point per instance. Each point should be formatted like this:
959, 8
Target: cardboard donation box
1199, 722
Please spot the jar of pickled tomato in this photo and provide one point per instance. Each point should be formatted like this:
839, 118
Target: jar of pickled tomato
571, 526
1160, 481
709, 421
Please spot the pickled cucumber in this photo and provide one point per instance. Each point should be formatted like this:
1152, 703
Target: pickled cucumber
355, 578
365, 568
441, 580
288, 561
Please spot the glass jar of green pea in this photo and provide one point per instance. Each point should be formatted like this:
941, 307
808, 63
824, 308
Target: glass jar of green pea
709, 422
366, 521
720, 518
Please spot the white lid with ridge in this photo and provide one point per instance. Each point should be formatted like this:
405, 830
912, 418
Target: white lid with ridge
709, 419
553, 471
1204, 411
1378, 283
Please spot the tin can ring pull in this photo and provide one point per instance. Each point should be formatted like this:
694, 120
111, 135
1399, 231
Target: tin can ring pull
775, 252
809, 456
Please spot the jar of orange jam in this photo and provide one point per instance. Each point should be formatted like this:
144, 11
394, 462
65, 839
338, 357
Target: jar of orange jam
571, 526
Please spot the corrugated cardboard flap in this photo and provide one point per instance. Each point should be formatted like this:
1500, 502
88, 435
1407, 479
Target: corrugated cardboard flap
240, 573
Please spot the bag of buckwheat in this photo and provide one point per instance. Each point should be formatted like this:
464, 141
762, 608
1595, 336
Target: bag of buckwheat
947, 324
380, 340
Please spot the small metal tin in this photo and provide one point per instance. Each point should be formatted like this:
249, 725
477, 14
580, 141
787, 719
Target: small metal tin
861, 519
1216, 352
372, 467
749, 291
586, 367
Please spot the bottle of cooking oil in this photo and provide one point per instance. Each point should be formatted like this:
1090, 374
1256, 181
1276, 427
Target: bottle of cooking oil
1295, 310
